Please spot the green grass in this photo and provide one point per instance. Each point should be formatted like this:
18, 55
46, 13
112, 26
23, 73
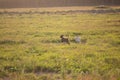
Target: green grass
30, 47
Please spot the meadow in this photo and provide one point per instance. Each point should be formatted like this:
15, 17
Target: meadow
30, 47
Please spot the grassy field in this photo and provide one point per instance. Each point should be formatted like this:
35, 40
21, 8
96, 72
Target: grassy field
30, 47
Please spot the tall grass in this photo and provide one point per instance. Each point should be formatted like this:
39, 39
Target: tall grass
30, 47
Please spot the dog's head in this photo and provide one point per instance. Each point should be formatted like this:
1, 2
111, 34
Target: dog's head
61, 36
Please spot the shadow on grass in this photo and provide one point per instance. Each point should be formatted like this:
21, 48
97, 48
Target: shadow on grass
83, 41
11, 42
51, 41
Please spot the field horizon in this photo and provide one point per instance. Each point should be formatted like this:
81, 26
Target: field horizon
55, 3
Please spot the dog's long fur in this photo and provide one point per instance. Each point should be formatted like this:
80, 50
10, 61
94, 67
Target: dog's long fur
64, 39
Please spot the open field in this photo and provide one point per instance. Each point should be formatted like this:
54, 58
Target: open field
30, 47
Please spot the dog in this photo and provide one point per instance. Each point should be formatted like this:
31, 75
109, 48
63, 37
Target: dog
64, 39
